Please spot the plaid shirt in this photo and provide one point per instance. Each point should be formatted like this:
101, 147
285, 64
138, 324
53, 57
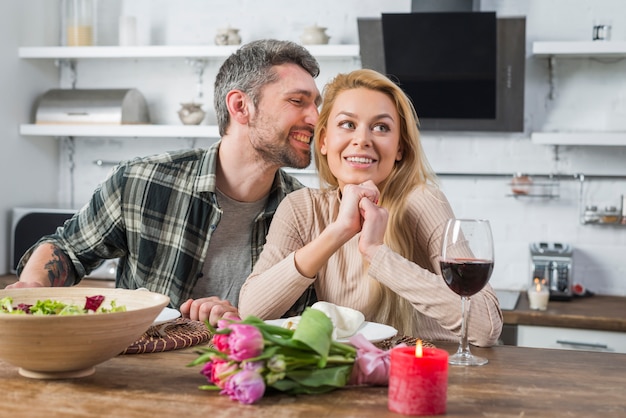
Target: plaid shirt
157, 214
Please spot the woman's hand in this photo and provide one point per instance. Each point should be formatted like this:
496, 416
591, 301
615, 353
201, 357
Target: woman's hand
374, 224
350, 215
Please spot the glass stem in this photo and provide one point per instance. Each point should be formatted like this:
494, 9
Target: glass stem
464, 345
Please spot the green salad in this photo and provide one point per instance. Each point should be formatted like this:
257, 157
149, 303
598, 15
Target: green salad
93, 304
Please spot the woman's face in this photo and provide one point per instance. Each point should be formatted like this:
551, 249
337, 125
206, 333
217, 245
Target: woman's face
362, 138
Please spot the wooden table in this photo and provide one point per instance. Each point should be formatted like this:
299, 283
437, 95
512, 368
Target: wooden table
517, 382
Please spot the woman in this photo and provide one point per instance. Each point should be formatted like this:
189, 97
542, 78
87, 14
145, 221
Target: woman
370, 239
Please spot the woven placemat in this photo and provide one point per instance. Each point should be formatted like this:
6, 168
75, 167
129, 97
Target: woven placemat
401, 339
173, 335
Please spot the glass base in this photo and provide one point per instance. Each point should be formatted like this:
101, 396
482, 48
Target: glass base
466, 359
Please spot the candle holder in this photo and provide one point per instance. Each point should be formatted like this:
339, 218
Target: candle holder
538, 295
418, 380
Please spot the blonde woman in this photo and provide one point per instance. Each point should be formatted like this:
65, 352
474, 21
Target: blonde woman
370, 238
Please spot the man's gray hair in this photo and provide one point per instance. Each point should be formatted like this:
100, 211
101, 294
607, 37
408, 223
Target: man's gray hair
249, 69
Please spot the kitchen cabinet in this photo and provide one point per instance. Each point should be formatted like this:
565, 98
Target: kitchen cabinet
571, 339
110, 53
574, 50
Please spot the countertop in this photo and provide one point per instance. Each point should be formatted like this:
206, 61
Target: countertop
597, 312
517, 382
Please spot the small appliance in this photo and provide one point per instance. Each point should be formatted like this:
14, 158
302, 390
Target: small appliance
553, 261
31, 223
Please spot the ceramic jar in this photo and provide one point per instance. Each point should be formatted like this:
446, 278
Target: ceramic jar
227, 36
521, 184
314, 35
191, 113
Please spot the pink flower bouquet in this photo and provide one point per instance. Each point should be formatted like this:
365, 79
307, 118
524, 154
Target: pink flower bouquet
250, 356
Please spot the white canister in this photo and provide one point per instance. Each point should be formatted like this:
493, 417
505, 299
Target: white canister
127, 35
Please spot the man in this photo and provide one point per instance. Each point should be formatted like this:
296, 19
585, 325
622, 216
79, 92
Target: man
191, 224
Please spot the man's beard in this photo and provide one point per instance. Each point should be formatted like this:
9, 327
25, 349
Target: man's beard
273, 146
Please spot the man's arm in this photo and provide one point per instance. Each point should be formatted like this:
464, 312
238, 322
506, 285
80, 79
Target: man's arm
47, 266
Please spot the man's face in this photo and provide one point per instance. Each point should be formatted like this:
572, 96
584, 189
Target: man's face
281, 127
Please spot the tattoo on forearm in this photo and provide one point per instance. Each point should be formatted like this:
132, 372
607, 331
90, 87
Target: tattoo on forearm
60, 273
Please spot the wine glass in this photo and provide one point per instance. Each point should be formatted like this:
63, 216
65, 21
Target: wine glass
466, 265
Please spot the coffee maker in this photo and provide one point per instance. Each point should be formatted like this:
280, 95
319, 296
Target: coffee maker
552, 262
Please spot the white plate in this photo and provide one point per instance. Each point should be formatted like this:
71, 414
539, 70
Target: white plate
373, 331
166, 315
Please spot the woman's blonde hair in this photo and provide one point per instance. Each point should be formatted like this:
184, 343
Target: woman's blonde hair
412, 171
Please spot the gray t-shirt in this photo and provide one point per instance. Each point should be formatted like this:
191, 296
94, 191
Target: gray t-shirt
228, 261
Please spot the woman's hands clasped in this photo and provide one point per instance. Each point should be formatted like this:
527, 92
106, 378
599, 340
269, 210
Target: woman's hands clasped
360, 212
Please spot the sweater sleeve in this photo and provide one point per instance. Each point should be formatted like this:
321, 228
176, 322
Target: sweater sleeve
421, 283
275, 283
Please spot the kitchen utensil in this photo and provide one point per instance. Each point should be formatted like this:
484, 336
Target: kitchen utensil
553, 262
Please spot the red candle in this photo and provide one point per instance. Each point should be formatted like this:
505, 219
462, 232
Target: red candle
418, 382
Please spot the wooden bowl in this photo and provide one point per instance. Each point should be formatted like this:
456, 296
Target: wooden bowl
58, 347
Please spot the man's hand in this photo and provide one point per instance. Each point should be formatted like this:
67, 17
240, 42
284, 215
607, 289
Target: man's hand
211, 309
23, 285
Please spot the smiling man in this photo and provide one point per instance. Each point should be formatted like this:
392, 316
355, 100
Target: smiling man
191, 224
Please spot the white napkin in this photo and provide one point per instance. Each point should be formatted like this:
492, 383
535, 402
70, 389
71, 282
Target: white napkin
346, 321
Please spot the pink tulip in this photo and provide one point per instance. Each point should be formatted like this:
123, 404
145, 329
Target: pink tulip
244, 341
246, 387
220, 341
221, 372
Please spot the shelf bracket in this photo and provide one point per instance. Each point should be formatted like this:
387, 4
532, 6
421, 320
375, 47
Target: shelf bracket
69, 144
70, 66
552, 77
198, 65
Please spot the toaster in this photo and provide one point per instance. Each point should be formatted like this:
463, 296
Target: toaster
553, 262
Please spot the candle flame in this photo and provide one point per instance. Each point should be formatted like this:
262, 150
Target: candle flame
418, 349
538, 287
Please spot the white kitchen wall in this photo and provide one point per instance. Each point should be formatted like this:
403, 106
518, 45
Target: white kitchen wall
29, 167
593, 99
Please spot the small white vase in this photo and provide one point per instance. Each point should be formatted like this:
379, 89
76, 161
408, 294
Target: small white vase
314, 35
227, 36
191, 113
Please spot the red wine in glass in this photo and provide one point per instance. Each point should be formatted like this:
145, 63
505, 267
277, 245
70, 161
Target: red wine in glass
466, 276
466, 264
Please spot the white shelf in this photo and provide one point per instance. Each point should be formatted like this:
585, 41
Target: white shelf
580, 138
139, 52
579, 49
167, 51
128, 131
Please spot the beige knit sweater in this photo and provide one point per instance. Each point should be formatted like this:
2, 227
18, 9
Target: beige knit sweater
275, 283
